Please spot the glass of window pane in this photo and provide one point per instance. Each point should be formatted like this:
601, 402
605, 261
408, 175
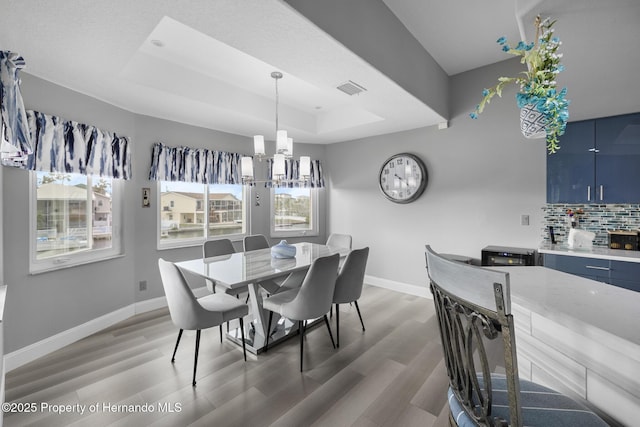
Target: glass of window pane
226, 213
182, 214
292, 209
74, 214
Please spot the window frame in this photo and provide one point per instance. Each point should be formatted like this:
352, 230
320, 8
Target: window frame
82, 257
315, 220
166, 244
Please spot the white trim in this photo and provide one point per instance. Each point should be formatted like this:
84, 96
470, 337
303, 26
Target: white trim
27, 354
421, 291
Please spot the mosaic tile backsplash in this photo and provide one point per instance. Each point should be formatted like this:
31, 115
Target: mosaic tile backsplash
596, 218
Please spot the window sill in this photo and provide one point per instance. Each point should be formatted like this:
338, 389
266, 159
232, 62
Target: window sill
63, 266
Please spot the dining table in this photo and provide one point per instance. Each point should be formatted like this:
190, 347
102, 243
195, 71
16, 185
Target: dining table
250, 268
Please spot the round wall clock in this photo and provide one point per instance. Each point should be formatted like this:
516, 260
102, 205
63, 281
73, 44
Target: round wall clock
403, 178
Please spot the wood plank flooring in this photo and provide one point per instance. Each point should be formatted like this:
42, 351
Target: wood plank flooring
390, 375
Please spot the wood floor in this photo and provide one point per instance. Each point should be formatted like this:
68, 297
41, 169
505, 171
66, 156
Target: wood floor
390, 375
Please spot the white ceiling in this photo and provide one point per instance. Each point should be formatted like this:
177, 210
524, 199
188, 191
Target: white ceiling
213, 69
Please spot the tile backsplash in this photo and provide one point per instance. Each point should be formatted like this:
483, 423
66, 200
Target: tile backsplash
596, 218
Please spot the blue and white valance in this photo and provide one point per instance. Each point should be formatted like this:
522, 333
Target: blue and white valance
13, 116
65, 146
292, 177
198, 165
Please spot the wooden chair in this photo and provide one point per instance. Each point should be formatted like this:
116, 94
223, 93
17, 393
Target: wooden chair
473, 306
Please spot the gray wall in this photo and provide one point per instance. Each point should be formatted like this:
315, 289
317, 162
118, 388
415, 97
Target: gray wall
483, 175
40, 306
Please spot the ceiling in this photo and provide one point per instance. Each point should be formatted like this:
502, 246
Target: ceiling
208, 63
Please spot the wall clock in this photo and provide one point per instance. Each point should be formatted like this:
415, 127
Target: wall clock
403, 178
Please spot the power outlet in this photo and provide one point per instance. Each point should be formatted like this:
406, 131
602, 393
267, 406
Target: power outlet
524, 219
143, 285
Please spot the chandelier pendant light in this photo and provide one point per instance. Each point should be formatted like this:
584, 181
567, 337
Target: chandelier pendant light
284, 151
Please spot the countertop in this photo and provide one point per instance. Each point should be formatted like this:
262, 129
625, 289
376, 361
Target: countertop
607, 314
596, 252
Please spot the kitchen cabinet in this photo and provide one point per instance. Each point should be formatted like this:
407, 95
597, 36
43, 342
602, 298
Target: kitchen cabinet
617, 273
597, 163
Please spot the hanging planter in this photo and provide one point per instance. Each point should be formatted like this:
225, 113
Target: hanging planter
543, 109
532, 122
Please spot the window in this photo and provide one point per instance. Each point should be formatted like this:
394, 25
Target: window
184, 221
75, 219
294, 212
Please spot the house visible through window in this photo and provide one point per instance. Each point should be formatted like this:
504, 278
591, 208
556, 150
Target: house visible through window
184, 221
75, 220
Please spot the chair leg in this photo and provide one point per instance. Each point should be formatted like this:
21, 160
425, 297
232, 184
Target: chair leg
266, 346
338, 325
301, 329
195, 360
244, 347
326, 322
221, 330
358, 309
173, 358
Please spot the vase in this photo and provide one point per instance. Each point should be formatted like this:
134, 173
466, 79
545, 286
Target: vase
532, 122
283, 250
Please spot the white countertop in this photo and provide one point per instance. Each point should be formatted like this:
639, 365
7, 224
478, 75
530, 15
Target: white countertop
608, 314
596, 252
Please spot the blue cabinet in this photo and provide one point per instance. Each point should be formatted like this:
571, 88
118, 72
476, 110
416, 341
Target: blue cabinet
598, 162
571, 171
617, 273
618, 159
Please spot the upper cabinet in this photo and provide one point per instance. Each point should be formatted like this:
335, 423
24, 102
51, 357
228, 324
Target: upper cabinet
598, 162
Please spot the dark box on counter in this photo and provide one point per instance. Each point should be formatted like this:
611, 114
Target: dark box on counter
625, 240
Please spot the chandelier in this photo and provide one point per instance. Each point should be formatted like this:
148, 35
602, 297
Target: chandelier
284, 151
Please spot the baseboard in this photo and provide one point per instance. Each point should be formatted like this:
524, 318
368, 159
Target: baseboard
406, 288
27, 354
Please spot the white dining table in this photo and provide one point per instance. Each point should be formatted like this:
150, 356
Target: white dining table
250, 268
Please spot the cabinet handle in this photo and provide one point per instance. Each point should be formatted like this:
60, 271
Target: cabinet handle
588, 193
601, 192
595, 267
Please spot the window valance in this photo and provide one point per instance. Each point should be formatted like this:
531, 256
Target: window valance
65, 146
13, 117
198, 165
292, 178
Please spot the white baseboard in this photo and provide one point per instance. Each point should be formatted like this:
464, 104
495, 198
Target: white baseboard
421, 291
27, 354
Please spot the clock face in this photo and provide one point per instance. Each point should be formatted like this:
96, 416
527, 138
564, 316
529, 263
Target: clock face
403, 178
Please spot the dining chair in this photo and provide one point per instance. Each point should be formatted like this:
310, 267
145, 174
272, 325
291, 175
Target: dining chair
473, 308
191, 313
259, 241
211, 248
339, 240
349, 284
309, 302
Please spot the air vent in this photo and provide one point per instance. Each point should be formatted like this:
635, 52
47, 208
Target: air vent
351, 88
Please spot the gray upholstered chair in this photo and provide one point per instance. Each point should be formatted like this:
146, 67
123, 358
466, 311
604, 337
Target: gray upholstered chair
259, 241
211, 248
473, 307
310, 301
349, 284
338, 240
191, 313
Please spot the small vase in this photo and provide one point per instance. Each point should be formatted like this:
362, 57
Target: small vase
532, 122
283, 250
